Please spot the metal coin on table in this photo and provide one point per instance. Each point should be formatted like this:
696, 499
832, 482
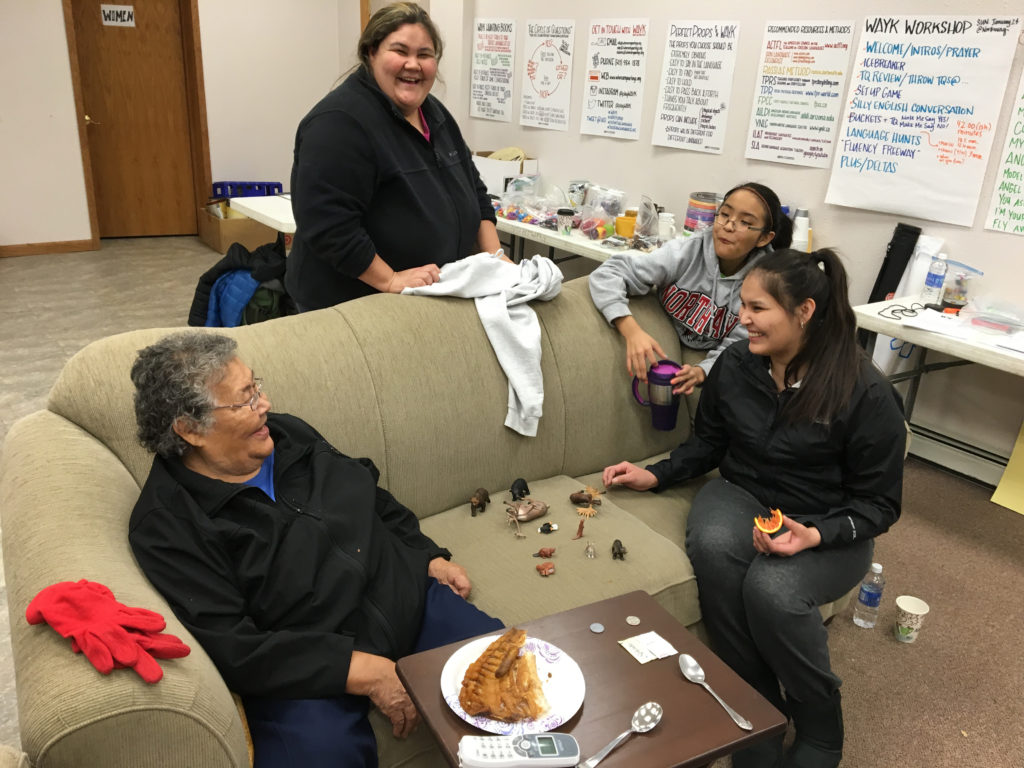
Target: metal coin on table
597, 628
632, 620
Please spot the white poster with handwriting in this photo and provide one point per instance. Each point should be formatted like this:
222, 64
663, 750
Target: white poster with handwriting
494, 43
615, 67
1006, 211
923, 100
547, 78
696, 83
798, 98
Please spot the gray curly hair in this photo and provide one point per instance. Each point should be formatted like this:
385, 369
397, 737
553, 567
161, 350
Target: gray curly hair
172, 381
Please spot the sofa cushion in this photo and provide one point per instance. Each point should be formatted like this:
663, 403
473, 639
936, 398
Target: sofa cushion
428, 406
665, 512
441, 399
603, 422
309, 363
503, 571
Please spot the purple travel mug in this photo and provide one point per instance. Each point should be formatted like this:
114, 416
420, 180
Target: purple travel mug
664, 405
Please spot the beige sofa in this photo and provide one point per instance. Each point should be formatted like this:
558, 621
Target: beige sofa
411, 382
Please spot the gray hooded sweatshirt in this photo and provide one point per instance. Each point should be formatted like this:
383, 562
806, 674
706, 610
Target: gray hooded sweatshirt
703, 304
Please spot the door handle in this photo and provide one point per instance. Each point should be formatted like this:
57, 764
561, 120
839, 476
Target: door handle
90, 121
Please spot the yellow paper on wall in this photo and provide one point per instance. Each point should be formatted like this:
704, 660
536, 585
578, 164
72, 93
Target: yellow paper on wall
1010, 491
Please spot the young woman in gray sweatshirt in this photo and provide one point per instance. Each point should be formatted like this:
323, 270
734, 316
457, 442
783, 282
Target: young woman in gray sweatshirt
698, 281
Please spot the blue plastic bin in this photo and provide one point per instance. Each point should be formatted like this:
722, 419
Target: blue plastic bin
246, 188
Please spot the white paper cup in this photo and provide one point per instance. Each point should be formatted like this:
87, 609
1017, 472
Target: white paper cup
910, 613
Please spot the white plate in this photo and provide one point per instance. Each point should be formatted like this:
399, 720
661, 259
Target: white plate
560, 676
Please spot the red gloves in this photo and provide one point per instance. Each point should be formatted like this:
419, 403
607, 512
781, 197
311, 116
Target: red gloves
108, 633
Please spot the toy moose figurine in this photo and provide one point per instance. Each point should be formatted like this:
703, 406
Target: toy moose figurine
523, 512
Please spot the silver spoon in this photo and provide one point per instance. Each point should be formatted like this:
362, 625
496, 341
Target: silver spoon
693, 672
645, 718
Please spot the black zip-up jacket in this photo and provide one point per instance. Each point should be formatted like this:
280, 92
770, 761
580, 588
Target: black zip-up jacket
266, 263
280, 593
366, 182
844, 478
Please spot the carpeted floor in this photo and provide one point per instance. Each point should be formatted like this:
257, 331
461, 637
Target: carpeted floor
953, 699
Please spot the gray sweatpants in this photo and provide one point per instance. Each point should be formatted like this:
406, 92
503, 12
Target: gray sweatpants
761, 611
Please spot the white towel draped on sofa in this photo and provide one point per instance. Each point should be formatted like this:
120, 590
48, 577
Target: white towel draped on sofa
501, 291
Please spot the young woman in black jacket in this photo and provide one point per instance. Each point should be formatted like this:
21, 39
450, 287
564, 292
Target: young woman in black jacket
796, 419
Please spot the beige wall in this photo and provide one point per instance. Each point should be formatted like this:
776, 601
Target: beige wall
265, 63
42, 187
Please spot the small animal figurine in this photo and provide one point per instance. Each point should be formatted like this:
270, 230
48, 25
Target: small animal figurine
525, 511
579, 532
590, 552
519, 490
479, 500
589, 498
548, 528
618, 551
544, 552
546, 569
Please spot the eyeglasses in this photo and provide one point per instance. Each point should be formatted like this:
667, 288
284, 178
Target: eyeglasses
722, 219
251, 402
898, 311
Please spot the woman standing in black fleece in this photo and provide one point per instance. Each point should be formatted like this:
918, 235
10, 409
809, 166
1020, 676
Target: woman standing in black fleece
384, 189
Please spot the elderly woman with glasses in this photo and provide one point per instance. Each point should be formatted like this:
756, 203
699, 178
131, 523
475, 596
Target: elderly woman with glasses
302, 579
698, 280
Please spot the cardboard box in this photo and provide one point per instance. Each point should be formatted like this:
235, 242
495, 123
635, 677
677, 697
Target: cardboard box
496, 174
219, 234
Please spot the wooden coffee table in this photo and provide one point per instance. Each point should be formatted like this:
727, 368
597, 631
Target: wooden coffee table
694, 730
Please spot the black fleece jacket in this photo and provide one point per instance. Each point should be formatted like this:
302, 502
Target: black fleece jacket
366, 182
844, 478
280, 593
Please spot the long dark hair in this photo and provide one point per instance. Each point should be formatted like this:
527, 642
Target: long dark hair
829, 351
778, 222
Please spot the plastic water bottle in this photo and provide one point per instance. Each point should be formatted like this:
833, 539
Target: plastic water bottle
932, 293
801, 231
866, 613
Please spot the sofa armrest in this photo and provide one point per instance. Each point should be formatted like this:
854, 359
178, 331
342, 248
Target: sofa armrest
12, 758
66, 501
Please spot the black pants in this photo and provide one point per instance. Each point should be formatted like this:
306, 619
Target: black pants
761, 611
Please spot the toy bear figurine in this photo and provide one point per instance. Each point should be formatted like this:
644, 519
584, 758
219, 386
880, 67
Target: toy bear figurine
618, 551
519, 490
479, 500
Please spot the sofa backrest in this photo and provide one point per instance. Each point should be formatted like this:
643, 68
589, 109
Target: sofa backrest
413, 383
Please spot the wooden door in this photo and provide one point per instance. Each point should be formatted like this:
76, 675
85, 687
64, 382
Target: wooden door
136, 110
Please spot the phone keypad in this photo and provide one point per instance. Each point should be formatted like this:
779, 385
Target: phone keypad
496, 748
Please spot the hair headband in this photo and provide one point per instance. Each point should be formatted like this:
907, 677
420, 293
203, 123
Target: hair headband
759, 196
